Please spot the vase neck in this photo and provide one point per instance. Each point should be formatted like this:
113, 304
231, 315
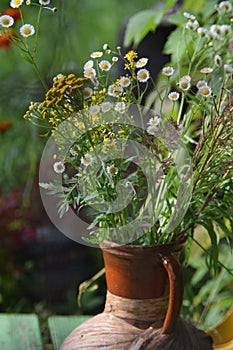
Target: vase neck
137, 311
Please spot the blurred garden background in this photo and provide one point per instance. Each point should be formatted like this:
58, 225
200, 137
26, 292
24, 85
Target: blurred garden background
41, 269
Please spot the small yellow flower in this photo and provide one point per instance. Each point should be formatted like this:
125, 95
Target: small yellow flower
168, 71
105, 65
27, 30
112, 170
206, 70
96, 54
16, 3
143, 75
6, 21
130, 57
205, 91
87, 92
173, 96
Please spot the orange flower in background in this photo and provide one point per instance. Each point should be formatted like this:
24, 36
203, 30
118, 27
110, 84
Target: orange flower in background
5, 38
15, 13
5, 125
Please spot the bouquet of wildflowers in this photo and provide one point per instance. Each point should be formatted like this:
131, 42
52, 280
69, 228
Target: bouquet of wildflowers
145, 174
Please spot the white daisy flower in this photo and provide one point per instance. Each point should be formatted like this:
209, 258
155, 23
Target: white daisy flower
114, 59
58, 76
193, 25
143, 75
88, 64
115, 91
168, 71
214, 35
189, 16
87, 92
228, 68
74, 150
16, 3
27, 30
218, 60
225, 5
155, 121
225, 28
106, 106
184, 85
95, 109
152, 130
87, 159
105, 65
44, 2
6, 21
105, 46
184, 82
120, 107
201, 83
96, 54
89, 73
118, 91
59, 167
186, 78
111, 90
206, 70
94, 81
112, 169
205, 91
202, 31
142, 62
215, 28
173, 96
180, 128
125, 82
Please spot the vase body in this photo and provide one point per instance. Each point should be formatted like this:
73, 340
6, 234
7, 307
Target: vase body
143, 301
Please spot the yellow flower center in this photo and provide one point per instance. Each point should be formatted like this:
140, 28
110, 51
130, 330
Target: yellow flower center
5, 21
104, 65
27, 31
112, 170
184, 85
143, 75
205, 91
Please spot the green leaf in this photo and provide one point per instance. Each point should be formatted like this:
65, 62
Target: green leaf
141, 24
198, 6
174, 46
26, 58
170, 4
177, 18
214, 252
209, 7
193, 6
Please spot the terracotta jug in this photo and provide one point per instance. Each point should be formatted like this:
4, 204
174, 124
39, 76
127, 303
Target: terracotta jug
144, 297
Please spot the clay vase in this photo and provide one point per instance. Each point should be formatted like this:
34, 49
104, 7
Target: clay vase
144, 297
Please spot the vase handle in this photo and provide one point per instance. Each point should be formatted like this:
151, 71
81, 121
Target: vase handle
175, 294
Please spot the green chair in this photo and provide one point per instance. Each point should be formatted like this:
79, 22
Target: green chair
61, 326
20, 332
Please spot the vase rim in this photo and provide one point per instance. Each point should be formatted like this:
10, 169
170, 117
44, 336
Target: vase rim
115, 248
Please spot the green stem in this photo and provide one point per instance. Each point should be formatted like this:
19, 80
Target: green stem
180, 109
45, 86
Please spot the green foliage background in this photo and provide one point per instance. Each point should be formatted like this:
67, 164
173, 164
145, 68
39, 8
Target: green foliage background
66, 39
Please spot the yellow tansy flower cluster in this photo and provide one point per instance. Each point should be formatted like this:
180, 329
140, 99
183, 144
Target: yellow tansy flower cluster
130, 57
55, 104
99, 96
